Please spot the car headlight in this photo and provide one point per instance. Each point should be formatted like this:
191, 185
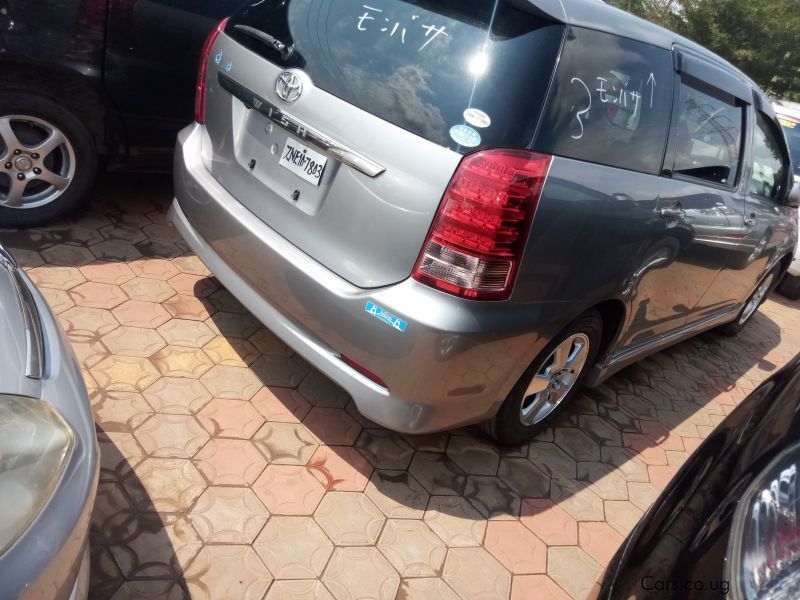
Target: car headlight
35, 443
764, 549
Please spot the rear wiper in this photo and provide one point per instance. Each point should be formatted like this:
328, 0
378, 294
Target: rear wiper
271, 41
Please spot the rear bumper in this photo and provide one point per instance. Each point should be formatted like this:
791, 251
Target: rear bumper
453, 365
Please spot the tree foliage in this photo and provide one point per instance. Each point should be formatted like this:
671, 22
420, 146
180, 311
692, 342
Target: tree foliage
761, 37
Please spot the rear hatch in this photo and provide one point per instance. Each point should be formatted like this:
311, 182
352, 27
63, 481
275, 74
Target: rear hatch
379, 100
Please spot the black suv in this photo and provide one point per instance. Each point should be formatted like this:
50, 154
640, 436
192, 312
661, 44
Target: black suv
86, 78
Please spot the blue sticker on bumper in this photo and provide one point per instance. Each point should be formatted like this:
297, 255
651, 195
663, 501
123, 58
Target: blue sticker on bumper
387, 317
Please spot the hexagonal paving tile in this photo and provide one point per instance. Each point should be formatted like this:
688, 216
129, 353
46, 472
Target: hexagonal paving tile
280, 370
193, 285
267, 342
230, 418
119, 411
438, 474
412, 548
288, 490
115, 251
119, 453
233, 325
426, 588
603, 480
573, 569
27, 259
536, 587
318, 389
577, 444
180, 332
285, 443
228, 515
360, 573
62, 278
192, 265
455, 521
298, 589
141, 314
577, 499
332, 426
281, 405
230, 462
124, 373
552, 460
384, 449
349, 519
515, 547
97, 295
88, 323
189, 307
162, 547
171, 436
154, 268
461, 566
397, 494
122, 233
67, 255
474, 456
231, 382
58, 300
599, 540
165, 485
177, 396
178, 361
225, 301
293, 547
622, 515
340, 468
148, 290
551, 524
524, 478
231, 352
642, 494
493, 498
133, 341
227, 573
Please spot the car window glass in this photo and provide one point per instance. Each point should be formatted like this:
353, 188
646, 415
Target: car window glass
462, 75
769, 162
708, 137
791, 129
610, 102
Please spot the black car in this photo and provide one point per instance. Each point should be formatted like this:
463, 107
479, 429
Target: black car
728, 525
82, 79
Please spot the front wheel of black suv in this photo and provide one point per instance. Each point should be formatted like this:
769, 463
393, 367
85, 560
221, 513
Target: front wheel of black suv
756, 299
48, 160
551, 381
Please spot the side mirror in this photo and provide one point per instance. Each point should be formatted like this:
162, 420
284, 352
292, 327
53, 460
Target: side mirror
793, 199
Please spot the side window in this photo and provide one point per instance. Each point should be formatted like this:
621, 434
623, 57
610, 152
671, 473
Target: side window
708, 136
769, 161
610, 102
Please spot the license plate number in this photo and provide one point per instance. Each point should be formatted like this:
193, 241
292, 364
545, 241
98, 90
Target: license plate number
303, 161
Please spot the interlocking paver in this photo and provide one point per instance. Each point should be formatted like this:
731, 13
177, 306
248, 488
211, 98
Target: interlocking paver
185, 430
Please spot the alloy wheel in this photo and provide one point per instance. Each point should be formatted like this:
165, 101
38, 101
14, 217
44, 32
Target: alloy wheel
756, 299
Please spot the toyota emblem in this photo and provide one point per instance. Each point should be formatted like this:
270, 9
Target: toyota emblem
289, 86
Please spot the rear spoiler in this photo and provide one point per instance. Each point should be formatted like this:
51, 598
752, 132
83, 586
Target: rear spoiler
550, 9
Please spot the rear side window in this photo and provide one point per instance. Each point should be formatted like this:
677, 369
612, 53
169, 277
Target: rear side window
770, 165
611, 102
708, 136
460, 74
791, 129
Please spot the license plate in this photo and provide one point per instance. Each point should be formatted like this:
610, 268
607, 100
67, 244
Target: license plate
303, 161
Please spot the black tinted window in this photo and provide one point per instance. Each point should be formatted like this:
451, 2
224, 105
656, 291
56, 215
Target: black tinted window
433, 67
769, 161
791, 129
611, 102
708, 136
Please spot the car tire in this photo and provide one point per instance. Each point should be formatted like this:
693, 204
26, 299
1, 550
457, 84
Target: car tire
37, 188
790, 286
525, 412
757, 297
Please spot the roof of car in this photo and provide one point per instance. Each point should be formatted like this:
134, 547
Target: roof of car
597, 15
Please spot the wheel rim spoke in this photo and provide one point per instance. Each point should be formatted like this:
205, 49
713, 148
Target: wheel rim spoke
561, 355
539, 384
54, 179
14, 198
53, 141
8, 136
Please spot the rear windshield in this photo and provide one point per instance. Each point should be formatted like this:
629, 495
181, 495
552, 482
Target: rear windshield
791, 128
461, 74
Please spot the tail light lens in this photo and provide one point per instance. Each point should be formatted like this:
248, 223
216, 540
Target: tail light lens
477, 239
362, 369
200, 92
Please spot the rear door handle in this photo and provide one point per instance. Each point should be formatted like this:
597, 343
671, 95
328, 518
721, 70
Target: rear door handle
670, 214
751, 221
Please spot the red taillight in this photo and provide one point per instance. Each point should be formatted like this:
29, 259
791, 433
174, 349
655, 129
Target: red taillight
200, 91
362, 369
477, 239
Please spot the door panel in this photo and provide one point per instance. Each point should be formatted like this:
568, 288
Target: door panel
152, 54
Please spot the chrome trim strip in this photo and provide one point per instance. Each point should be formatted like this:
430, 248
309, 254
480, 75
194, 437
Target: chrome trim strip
683, 332
34, 337
299, 128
